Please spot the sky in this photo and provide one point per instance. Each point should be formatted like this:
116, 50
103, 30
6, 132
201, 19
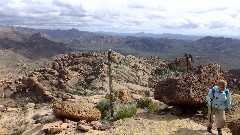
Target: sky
189, 17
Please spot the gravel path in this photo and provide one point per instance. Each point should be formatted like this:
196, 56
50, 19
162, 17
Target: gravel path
153, 124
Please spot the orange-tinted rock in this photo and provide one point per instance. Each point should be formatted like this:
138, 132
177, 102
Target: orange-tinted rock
75, 111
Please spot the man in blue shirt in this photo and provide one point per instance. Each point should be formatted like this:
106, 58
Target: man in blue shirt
219, 99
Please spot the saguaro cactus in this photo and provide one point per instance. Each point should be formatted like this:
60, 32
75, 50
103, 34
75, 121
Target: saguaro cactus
110, 81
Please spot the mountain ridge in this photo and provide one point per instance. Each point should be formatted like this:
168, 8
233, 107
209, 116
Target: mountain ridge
207, 49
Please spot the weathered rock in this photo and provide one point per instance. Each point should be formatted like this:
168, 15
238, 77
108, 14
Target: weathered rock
234, 126
55, 65
139, 90
191, 89
122, 96
42, 92
75, 111
29, 82
2, 108
96, 124
64, 126
70, 122
12, 109
35, 87
53, 128
30, 105
183, 63
84, 128
4, 131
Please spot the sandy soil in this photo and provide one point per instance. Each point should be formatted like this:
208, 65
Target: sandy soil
152, 124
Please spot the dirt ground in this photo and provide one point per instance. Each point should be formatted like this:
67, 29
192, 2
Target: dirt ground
154, 124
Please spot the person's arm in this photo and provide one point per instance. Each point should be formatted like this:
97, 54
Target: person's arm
229, 103
209, 96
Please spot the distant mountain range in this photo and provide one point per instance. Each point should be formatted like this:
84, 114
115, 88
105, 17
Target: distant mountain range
164, 35
29, 43
224, 51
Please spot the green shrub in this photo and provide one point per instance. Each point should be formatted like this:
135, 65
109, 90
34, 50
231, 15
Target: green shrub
104, 107
152, 107
36, 116
142, 103
205, 110
47, 119
126, 112
159, 71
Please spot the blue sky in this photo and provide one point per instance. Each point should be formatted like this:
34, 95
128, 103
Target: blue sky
202, 17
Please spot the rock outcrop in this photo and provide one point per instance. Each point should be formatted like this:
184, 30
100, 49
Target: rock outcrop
183, 63
122, 96
86, 74
191, 89
234, 126
76, 111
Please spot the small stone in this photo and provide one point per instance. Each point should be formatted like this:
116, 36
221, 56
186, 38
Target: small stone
30, 105
96, 123
64, 126
12, 109
52, 128
2, 108
83, 128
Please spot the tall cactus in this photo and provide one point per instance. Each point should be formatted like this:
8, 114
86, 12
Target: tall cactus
110, 81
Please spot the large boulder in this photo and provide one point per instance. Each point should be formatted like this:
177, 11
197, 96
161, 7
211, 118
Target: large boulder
37, 88
75, 111
234, 126
191, 89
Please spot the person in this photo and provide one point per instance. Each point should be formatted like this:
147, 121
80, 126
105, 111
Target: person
219, 100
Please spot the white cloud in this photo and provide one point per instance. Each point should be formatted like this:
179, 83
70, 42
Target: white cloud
157, 16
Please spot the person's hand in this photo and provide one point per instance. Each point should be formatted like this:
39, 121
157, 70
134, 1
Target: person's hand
211, 97
229, 112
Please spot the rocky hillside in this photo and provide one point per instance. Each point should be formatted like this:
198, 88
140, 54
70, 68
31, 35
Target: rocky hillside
15, 33
14, 65
62, 98
29, 43
73, 77
86, 74
224, 51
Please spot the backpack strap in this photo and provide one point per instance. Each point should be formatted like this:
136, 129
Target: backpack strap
226, 91
213, 91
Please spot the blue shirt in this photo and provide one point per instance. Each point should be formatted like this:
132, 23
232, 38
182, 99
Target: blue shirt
221, 99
